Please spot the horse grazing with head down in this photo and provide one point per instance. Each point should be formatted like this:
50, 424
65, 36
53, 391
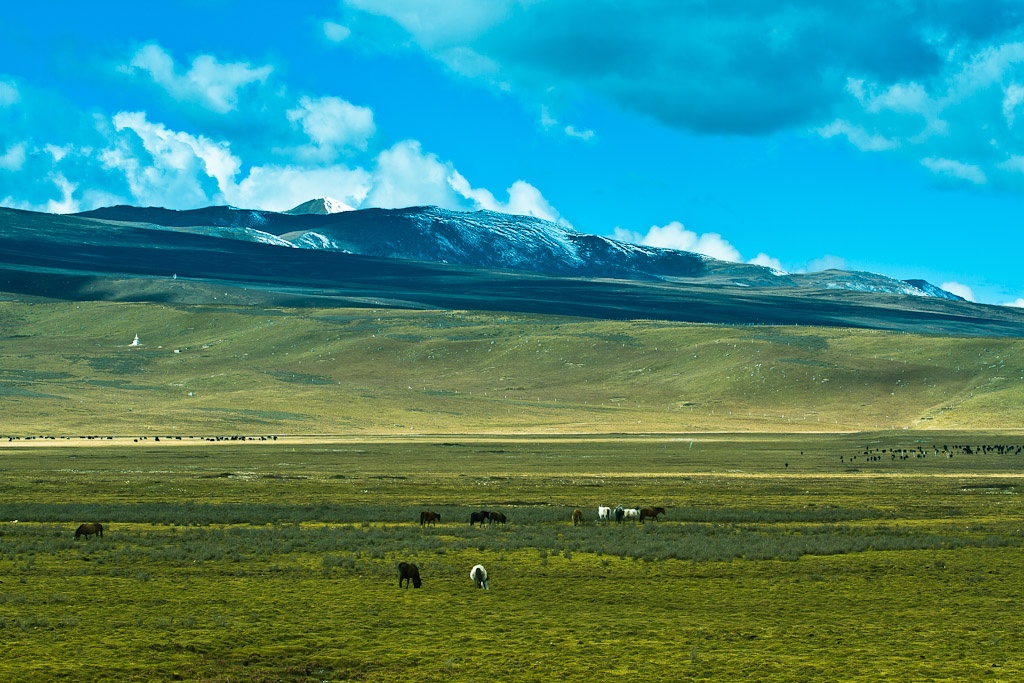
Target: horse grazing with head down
88, 529
651, 512
481, 517
409, 572
577, 517
498, 518
479, 576
431, 518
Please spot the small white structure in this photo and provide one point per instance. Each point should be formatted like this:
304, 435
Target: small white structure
135, 342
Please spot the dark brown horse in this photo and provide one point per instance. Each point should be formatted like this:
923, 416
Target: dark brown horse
577, 517
498, 518
409, 572
651, 512
431, 518
88, 529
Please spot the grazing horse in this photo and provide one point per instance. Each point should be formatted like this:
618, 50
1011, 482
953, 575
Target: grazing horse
631, 513
409, 572
577, 517
498, 518
604, 513
652, 512
479, 576
431, 518
619, 514
480, 517
88, 529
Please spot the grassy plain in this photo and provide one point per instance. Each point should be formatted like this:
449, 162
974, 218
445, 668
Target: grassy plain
785, 557
824, 521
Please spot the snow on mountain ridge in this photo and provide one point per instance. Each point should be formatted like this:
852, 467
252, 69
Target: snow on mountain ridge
523, 238
321, 206
488, 239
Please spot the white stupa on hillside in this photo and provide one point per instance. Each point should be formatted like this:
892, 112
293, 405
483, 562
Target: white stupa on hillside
135, 342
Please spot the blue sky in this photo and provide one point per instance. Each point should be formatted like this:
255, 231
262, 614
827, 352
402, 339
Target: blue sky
879, 135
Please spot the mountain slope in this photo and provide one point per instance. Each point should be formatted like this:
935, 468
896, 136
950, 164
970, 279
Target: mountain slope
71, 257
486, 239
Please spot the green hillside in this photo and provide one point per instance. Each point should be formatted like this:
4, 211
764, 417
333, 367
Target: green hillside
66, 369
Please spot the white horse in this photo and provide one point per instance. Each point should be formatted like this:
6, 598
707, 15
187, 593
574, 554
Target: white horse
631, 513
479, 576
604, 513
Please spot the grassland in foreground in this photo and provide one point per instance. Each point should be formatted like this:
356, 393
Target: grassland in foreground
781, 559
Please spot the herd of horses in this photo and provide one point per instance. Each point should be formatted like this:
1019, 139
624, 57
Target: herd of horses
486, 516
604, 514
621, 514
409, 573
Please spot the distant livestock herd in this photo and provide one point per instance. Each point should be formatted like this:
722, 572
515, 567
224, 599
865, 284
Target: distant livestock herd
410, 573
604, 514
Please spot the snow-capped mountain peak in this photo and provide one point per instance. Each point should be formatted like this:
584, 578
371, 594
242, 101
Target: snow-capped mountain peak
320, 206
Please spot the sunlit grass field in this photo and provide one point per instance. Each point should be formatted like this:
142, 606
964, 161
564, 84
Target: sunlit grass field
66, 368
787, 557
260, 472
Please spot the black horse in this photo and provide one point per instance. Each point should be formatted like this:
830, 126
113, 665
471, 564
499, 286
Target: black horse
409, 572
88, 529
480, 517
431, 518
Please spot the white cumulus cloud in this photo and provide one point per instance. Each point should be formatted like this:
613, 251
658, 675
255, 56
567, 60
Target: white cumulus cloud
950, 168
676, 236
335, 32
767, 261
14, 158
175, 169
279, 188
208, 81
332, 124
1019, 303
958, 289
407, 176
66, 204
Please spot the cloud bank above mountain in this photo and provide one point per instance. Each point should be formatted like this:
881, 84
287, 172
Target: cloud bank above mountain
803, 127
910, 77
328, 149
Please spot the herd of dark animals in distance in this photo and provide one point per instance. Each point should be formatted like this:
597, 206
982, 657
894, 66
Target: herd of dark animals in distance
869, 454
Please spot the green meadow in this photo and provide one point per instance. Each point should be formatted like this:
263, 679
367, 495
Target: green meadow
255, 561
842, 505
66, 370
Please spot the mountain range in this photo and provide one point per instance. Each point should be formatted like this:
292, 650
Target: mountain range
486, 239
324, 253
